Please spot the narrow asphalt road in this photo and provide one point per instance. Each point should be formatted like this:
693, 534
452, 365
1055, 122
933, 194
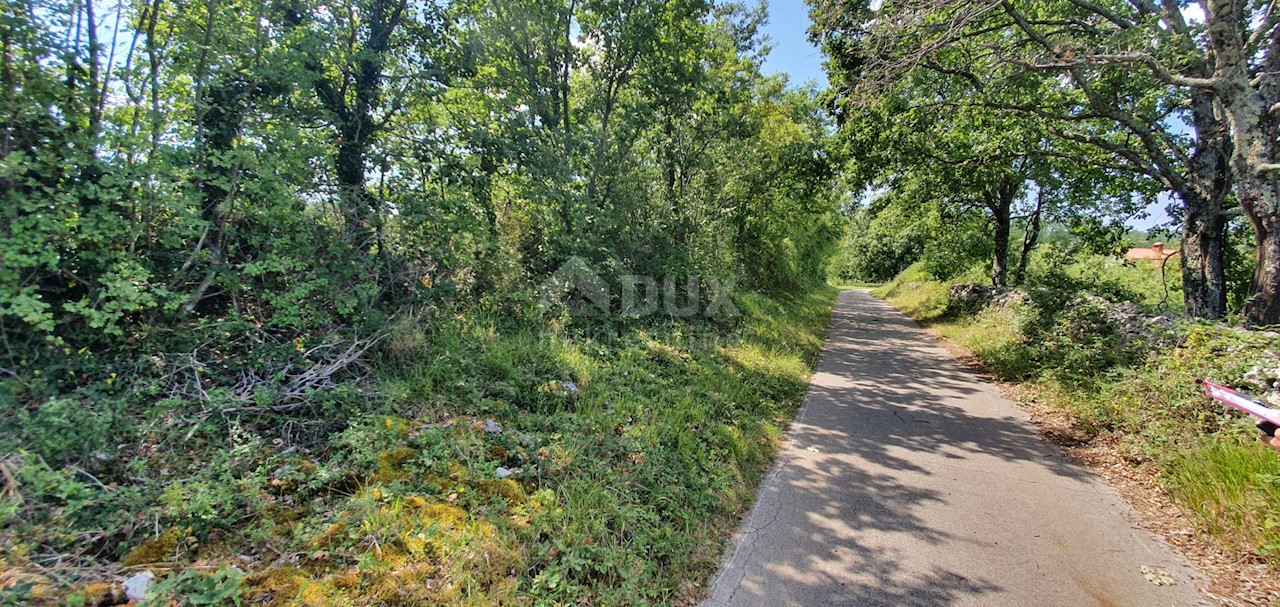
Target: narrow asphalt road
908, 480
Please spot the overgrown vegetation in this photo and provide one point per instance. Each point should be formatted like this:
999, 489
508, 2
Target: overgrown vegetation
1128, 385
527, 465
374, 302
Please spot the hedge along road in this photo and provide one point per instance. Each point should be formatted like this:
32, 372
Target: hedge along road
908, 480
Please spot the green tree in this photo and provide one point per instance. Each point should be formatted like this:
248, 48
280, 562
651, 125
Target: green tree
923, 137
1103, 94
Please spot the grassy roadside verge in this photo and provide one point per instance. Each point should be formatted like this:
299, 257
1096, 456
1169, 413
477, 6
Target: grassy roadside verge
1143, 409
523, 465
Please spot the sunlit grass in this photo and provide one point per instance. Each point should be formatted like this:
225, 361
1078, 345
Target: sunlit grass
993, 336
916, 293
1232, 487
642, 471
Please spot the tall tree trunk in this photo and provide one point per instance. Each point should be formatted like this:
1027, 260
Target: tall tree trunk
669, 163
1264, 307
566, 71
354, 118
221, 106
1000, 203
95, 74
357, 201
1030, 239
1252, 106
1204, 226
1204, 284
1000, 263
1259, 194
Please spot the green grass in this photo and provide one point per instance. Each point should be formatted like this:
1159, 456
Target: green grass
916, 293
1208, 460
1232, 488
993, 336
621, 492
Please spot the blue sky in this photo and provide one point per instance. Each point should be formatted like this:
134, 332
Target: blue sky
801, 61
792, 53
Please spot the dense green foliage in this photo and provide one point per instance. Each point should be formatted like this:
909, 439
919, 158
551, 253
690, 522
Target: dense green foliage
499, 302
289, 175
879, 242
236, 238
630, 458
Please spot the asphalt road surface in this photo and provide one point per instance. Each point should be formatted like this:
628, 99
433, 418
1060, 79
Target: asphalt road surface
908, 480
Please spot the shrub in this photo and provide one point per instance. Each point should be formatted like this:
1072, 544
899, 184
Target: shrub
872, 253
1081, 343
956, 247
67, 429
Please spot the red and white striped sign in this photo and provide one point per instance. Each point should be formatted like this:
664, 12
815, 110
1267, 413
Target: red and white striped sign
1236, 400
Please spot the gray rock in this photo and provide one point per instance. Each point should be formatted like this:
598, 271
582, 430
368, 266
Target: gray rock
135, 588
492, 427
970, 297
1131, 324
974, 297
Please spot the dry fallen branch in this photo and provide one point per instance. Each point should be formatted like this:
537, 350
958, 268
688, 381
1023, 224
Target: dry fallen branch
327, 367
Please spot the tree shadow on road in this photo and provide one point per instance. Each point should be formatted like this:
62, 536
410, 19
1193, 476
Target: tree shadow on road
881, 394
